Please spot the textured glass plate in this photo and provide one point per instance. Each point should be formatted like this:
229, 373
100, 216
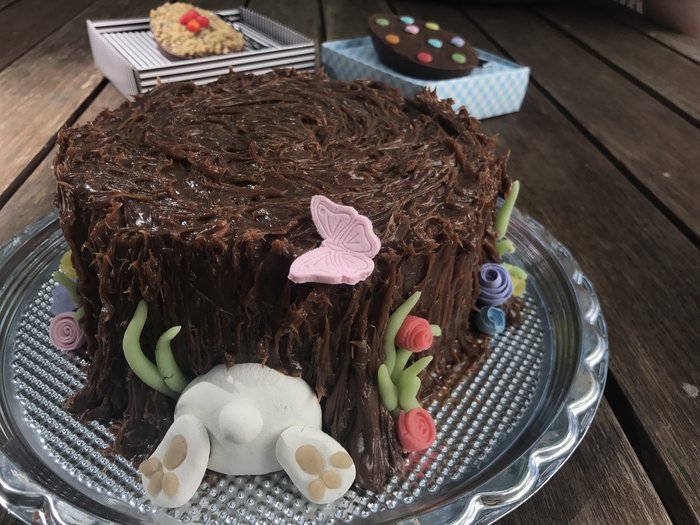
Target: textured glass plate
502, 432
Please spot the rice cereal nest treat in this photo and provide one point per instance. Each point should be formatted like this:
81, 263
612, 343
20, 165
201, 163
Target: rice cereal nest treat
186, 31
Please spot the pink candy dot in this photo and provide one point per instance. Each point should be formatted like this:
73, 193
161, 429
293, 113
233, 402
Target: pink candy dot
424, 57
412, 29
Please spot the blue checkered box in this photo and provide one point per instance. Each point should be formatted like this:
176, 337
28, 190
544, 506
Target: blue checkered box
496, 87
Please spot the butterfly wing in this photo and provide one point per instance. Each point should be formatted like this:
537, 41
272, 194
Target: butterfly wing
344, 227
326, 265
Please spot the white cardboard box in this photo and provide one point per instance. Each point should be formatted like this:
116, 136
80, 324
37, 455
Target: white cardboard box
496, 87
127, 54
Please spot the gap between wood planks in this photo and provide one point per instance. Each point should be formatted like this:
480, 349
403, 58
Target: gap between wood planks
685, 229
676, 506
23, 175
618, 69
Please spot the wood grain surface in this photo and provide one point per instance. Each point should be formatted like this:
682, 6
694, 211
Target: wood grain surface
663, 72
26, 23
649, 141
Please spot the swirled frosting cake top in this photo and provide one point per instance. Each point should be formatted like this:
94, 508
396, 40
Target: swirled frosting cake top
242, 157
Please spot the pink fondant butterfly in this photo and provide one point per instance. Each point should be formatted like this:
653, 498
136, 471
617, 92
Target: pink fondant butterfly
348, 246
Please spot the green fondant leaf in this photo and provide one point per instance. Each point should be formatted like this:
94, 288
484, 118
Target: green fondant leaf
167, 366
408, 392
396, 319
387, 389
402, 357
503, 214
143, 367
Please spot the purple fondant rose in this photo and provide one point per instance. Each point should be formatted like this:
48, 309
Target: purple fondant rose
496, 286
65, 332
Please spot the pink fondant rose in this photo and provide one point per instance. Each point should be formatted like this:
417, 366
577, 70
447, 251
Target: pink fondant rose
65, 332
415, 334
416, 430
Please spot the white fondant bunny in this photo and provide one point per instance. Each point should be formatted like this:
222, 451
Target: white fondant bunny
247, 419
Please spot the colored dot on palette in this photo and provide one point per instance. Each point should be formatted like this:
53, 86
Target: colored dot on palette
424, 57
459, 58
458, 41
407, 19
434, 42
432, 26
381, 22
392, 39
412, 29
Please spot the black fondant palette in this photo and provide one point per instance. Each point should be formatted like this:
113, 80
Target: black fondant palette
420, 49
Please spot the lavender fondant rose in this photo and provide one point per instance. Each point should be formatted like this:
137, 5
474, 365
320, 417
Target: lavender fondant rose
495, 285
490, 320
61, 301
65, 332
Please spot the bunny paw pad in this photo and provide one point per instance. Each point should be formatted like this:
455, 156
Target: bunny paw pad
317, 464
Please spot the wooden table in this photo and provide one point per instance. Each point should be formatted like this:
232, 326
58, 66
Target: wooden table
607, 147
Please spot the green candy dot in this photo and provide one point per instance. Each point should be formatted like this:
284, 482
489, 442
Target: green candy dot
459, 58
381, 22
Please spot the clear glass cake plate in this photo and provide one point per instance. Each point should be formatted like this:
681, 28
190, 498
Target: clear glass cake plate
503, 432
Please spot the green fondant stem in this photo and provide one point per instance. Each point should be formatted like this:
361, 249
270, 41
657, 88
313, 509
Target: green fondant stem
408, 393
396, 319
417, 367
435, 330
143, 367
165, 361
387, 389
62, 279
504, 246
503, 214
515, 271
402, 357
79, 313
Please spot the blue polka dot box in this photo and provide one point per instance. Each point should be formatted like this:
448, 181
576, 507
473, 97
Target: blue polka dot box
495, 87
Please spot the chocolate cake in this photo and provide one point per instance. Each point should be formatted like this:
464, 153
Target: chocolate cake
196, 199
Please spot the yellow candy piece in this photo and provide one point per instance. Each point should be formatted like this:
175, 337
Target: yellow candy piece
66, 266
518, 286
432, 26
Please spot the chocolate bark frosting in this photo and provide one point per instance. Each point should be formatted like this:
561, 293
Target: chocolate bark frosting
196, 199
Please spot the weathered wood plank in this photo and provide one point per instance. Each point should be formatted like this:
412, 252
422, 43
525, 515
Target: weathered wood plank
34, 199
684, 45
663, 71
602, 482
32, 108
656, 146
348, 18
30, 21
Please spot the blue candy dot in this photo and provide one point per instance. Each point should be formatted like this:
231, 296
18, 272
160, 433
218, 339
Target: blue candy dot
407, 19
434, 42
457, 41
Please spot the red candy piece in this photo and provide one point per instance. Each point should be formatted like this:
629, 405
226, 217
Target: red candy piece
414, 335
193, 26
189, 15
203, 21
424, 57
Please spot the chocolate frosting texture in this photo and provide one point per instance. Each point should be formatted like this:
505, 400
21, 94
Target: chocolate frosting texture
197, 200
